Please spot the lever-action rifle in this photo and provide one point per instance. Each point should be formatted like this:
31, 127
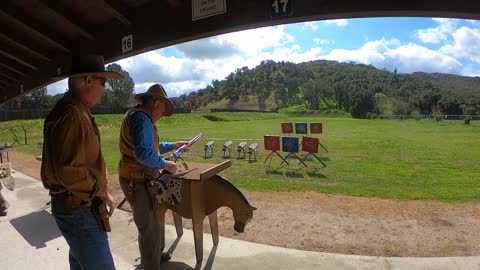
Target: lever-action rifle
178, 154
165, 176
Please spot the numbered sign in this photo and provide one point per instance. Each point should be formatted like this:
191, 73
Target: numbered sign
127, 44
280, 8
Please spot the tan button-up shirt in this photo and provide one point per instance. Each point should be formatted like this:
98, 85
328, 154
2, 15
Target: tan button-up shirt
72, 158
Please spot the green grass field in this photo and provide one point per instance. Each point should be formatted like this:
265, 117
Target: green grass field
385, 158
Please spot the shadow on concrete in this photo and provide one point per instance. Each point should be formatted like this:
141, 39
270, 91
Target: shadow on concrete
211, 257
37, 228
177, 266
174, 245
182, 266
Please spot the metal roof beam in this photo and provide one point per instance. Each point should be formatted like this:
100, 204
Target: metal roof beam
19, 42
113, 10
27, 23
10, 54
10, 66
35, 80
9, 74
69, 16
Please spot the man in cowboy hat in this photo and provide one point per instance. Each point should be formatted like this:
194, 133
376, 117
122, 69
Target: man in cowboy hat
140, 163
73, 168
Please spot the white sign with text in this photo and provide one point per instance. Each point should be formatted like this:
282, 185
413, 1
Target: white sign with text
205, 8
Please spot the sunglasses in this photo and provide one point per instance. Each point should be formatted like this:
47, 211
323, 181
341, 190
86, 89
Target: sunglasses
102, 80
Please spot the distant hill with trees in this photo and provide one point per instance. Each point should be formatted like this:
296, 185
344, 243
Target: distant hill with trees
361, 90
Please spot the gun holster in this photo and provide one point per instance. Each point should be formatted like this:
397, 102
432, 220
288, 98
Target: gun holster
100, 211
130, 192
152, 188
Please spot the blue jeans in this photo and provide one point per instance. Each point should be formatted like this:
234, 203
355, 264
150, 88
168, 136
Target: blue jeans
89, 248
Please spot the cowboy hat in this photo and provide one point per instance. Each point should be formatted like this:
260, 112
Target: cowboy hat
87, 65
157, 91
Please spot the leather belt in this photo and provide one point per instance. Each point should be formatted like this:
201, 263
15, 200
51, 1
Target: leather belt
68, 200
138, 175
134, 179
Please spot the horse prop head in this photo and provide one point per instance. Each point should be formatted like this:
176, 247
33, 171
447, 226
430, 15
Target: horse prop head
242, 218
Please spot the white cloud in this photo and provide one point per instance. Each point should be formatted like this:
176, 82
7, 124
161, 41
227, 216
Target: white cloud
253, 41
437, 34
58, 87
338, 22
390, 54
310, 25
466, 44
456, 41
173, 89
198, 62
432, 35
154, 66
320, 41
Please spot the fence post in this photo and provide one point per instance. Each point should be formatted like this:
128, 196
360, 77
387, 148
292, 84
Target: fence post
25, 133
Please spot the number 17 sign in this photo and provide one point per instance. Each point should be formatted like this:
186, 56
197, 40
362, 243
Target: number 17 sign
280, 8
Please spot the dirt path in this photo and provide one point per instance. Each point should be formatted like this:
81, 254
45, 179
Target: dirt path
342, 224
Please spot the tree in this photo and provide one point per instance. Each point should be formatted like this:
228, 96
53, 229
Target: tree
426, 102
35, 100
363, 102
229, 89
382, 104
121, 90
471, 106
311, 94
449, 104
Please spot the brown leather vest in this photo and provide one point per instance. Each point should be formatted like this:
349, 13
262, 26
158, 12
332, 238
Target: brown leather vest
128, 166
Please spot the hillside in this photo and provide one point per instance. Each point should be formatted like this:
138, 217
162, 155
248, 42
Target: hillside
460, 85
358, 89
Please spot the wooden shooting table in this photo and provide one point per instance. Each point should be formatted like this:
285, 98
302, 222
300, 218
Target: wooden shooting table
195, 204
200, 171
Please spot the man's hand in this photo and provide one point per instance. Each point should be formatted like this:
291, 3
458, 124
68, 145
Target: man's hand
108, 200
171, 167
179, 144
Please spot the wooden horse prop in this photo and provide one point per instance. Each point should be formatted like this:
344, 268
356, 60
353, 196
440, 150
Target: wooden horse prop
201, 199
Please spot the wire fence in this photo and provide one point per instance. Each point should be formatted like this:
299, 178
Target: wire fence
427, 117
466, 119
8, 115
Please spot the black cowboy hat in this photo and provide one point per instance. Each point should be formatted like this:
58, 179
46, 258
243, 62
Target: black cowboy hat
85, 65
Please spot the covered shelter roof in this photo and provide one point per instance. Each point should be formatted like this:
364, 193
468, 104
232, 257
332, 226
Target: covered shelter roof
38, 37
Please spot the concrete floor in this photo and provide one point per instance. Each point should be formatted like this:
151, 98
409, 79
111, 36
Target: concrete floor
30, 240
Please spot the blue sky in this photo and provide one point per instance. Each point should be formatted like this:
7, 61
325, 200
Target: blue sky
408, 44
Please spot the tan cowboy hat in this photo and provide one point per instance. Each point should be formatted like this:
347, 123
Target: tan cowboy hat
85, 65
157, 91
